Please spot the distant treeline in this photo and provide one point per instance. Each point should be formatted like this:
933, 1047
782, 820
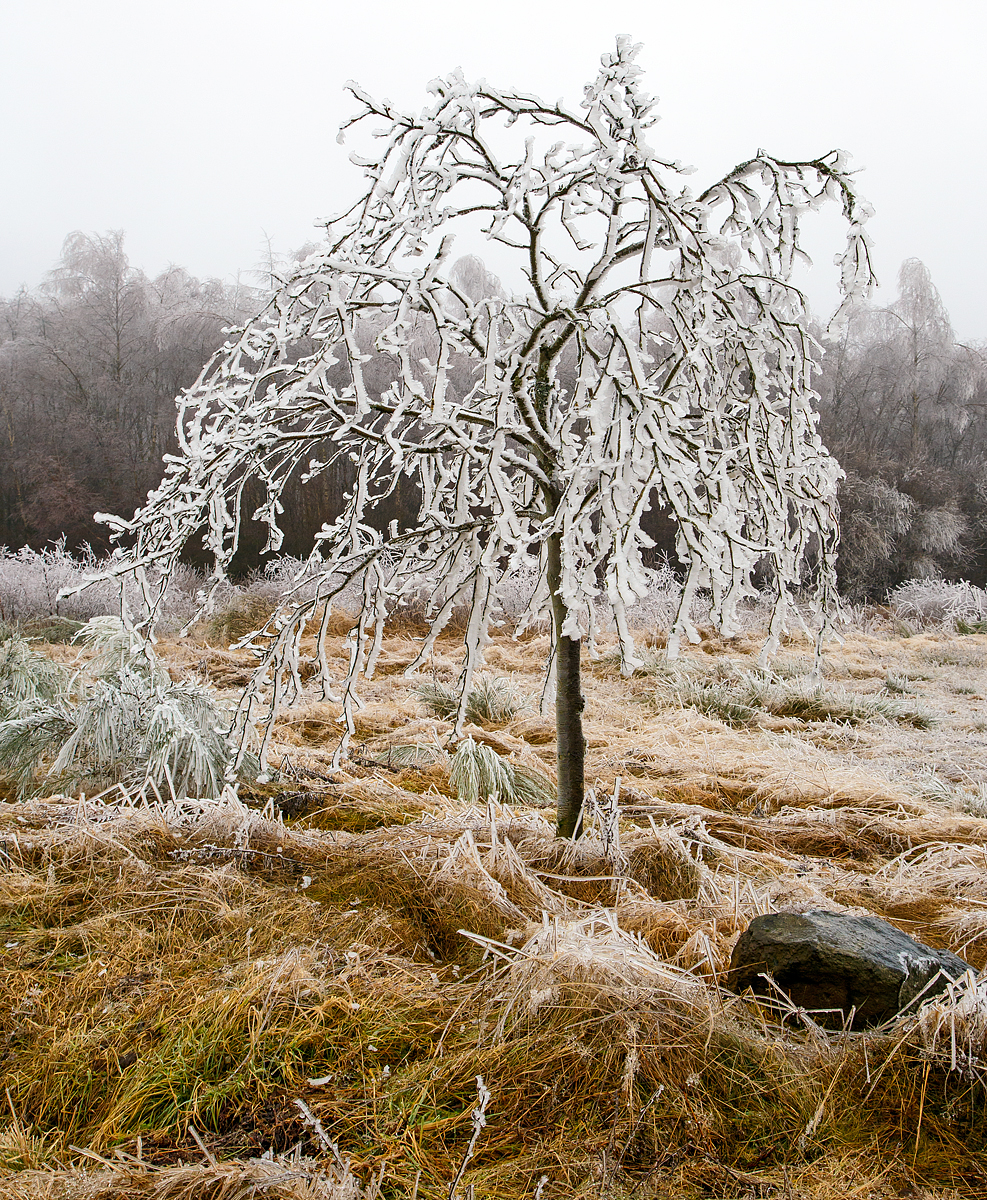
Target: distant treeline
92, 360
904, 409
90, 365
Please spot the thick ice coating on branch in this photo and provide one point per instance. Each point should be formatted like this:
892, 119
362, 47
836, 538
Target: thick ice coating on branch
657, 355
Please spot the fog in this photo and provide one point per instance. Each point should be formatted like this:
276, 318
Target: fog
207, 131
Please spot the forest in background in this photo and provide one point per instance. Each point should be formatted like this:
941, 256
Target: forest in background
91, 362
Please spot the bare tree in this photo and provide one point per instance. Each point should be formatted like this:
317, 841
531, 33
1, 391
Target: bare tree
904, 363
655, 352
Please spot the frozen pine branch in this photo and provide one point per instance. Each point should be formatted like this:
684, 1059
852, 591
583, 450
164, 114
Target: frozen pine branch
657, 354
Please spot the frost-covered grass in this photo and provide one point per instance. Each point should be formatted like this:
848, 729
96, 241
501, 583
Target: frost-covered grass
735, 705
821, 704
416, 924
189, 972
118, 718
491, 700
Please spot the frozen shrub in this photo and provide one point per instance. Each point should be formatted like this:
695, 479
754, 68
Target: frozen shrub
479, 773
122, 721
26, 675
933, 602
31, 580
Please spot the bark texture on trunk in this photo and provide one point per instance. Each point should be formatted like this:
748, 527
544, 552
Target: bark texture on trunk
571, 743
569, 704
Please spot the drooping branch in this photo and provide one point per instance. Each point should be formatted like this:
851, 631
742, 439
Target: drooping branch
659, 358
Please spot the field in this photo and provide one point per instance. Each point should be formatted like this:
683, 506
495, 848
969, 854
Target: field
381, 981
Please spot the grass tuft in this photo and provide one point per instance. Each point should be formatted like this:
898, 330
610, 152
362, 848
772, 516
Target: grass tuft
491, 701
738, 698
846, 708
899, 685
724, 703
478, 774
953, 655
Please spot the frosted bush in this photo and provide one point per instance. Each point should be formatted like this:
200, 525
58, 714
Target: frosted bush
121, 719
935, 602
34, 583
182, 602
31, 580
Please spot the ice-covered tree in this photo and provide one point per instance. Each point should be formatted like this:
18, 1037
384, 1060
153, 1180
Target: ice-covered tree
652, 351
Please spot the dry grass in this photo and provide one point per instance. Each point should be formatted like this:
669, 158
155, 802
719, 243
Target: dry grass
292, 1178
369, 944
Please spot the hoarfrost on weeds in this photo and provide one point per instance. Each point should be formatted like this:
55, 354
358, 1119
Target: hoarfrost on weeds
935, 602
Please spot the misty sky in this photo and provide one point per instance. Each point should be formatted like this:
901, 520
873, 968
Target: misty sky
207, 130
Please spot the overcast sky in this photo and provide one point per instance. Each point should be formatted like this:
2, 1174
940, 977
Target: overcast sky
204, 129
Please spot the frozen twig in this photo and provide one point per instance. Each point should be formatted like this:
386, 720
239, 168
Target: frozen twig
479, 1122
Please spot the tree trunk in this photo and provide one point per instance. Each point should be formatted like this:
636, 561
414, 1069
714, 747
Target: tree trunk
568, 708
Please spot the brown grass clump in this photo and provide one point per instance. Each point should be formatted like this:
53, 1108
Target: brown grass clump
355, 808
238, 619
223, 668
665, 869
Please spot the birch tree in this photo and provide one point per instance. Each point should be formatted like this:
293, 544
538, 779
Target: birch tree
652, 350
